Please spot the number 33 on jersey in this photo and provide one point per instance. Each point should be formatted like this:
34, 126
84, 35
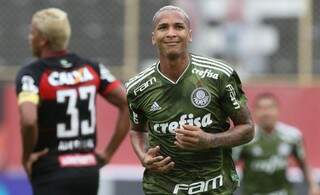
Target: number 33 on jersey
65, 97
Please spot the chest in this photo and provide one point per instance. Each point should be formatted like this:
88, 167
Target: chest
265, 148
190, 97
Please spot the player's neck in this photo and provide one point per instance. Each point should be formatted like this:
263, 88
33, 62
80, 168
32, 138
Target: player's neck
173, 68
47, 53
268, 129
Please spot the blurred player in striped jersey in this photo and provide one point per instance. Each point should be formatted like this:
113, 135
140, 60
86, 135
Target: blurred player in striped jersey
57, 99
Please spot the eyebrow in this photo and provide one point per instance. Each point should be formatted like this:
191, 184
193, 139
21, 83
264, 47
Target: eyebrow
176, 23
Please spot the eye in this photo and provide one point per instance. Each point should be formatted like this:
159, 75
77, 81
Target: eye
180, 27
162, 27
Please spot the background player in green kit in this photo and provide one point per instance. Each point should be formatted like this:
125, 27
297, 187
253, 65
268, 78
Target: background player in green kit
266, 156
180, 109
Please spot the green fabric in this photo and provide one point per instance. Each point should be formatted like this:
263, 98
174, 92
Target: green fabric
205, 95
266, 160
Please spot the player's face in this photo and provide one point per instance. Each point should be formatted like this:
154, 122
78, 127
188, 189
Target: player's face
36, 41
171, 33
266, 112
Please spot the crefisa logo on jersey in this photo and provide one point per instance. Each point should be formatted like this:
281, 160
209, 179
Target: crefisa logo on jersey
200, 97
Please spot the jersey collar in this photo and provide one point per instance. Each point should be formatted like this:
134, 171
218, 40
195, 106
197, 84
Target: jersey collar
183, 73
52, 54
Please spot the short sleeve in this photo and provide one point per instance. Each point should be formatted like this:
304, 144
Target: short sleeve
293, 136
27, 86
298, 148
107, 81
136, 115
232, 95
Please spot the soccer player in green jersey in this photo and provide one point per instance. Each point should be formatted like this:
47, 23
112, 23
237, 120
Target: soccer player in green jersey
180, 109
265, 158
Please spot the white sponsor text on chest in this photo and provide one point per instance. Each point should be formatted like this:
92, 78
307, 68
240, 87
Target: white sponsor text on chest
70, 78
185, 119
205, 73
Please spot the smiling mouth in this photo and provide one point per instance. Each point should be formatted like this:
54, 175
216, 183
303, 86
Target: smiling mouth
172, 43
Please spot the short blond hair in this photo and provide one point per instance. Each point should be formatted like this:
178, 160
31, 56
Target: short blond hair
53, 24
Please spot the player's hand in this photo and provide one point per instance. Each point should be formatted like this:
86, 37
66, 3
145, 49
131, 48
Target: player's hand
32, 159
192, 138
314, 189
155, 162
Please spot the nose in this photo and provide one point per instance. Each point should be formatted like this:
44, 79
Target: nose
171, 32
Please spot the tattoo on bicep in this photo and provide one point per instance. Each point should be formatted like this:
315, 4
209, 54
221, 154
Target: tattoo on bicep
242, 116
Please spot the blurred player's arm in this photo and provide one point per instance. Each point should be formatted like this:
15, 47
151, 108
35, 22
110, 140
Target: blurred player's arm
29, 128
28, 100
313, 186
299, 154
150, 158
117, 98
29, 134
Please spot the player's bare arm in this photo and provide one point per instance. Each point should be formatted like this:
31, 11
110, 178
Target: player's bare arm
149, 158
194, 138
242, 133
314, 189
118, 98
29, 132
313, 186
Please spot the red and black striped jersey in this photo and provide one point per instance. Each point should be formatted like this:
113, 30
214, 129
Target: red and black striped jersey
65, 89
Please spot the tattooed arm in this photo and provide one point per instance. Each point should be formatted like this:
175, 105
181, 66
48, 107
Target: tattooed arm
242, 132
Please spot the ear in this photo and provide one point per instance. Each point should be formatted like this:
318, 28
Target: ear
190, 36
43, 41
153, 39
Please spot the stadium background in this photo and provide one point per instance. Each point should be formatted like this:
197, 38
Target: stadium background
274, 45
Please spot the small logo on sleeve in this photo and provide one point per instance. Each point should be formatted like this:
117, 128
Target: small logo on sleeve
233, 95
28, 84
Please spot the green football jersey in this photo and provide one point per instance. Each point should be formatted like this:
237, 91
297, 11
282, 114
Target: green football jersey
205, 95
266, 160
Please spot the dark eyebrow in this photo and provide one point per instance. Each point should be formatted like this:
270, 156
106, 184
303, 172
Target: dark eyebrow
177, 23
180, 23
162, 24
